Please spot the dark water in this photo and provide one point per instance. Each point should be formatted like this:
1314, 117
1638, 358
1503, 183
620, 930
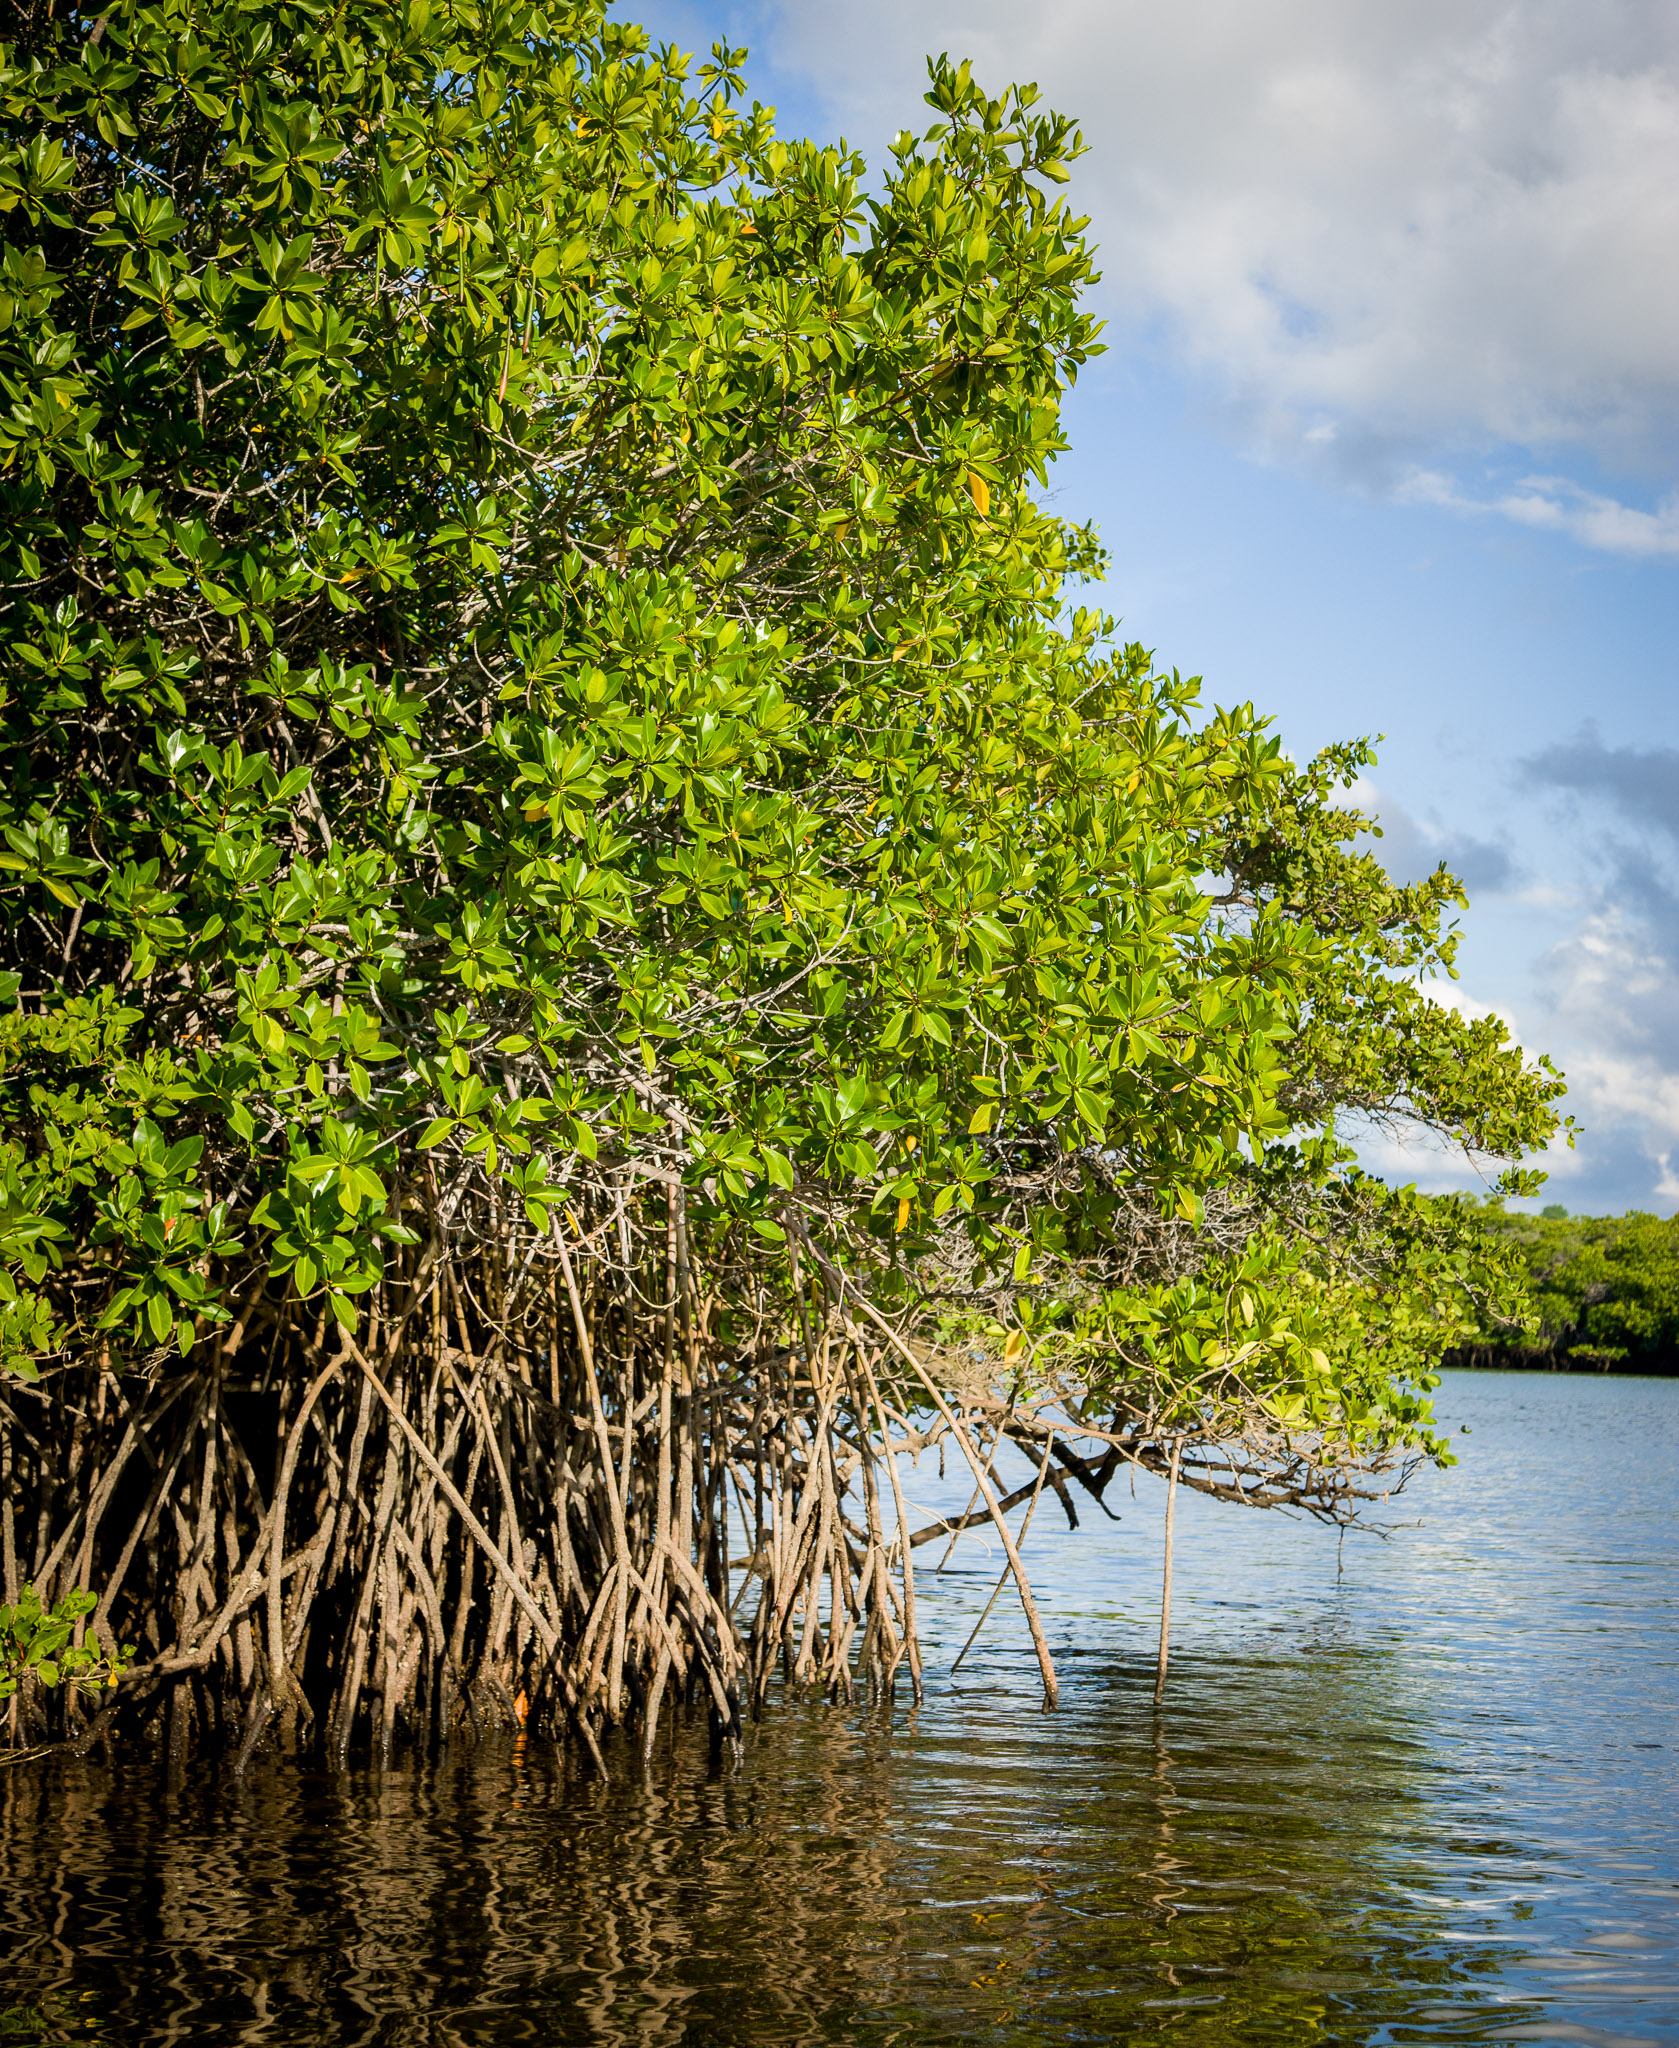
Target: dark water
1436, 1799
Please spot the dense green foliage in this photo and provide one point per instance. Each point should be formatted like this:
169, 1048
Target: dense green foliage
548, 733
44, 1644
1605, 1292
529, 643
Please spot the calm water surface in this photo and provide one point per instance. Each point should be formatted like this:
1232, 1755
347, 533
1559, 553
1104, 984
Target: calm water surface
1433, 1799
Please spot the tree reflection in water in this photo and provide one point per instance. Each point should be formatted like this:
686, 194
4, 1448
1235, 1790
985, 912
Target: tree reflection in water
1257, 1863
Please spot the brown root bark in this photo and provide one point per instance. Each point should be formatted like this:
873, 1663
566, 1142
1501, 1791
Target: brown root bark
571, 1498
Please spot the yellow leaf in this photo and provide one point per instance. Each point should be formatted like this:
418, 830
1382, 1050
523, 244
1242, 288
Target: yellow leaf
980, 491
1013, 1348
903, 1210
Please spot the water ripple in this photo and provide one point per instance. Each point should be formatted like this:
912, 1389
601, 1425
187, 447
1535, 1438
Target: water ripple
1429, 1800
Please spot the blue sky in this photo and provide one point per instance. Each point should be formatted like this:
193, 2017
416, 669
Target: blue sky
1386, 439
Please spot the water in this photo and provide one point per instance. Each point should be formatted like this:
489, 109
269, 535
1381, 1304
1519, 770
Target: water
1435, 1799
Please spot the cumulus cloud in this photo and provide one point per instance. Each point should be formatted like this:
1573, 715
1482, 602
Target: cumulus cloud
1613, 991
1614, 986
1616, 980
1639, 785
1410, 851
1610, 990
1600, 992
1605, 998
1558, 505
1385, 232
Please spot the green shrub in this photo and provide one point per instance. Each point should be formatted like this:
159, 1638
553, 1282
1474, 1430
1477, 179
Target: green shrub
37, 1642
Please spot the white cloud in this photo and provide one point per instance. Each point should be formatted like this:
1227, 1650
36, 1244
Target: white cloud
1613, 996
1416, 1160
1383, 231
1614, 985
1415, 1156
1453, 996
1621, 1090
1410, 849
1606, 1000
1559, 506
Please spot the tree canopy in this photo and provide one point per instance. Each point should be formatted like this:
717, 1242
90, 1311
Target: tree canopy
548, 716
1604, 1292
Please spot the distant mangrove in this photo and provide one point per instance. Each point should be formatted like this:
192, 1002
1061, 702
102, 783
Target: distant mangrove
1604, 1293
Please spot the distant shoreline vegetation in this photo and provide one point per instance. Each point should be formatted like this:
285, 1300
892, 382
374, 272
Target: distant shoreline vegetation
1605, 1294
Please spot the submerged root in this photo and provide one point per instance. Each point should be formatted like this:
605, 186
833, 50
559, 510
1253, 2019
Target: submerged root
605, 1503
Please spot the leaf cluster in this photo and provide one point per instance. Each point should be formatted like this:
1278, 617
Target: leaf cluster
41, 1643
535, 661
